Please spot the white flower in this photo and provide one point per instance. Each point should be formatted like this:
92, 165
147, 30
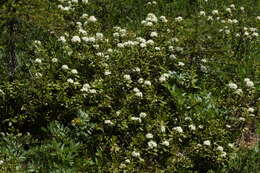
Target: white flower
163, 19
250, 84
127, 77
207, 143
231, 145
74, 1
135, 154
150, 42
187, 118
99, 36
70, 80
38, 60
84, 1
215, 12
37, 42
142, 45
246, 79
220, 148
163, 129
227, 31
148, 83
1, 162
65, 67
151, 18
127, 161
242, 119
109, 122
239, 91
122, 165
62, 39
136, 90
107, 72
139, 94
76, 39
181, 64
136, 119
228, 10
179, 19
154, 34
162, 79
92, 91
223, 154
149, 136
246, 33
38, 75
232, 85
202, 13
2, 92
85, 88
228, 126
179, 49
192, 127
172, 56
232, 6
152, 144
201, 126
142, 115
74, 71
178, 129
210, 18
54, 60
166, 143
137, 69
92, 19
157, 48
140, 80
235, 21
251, 110
255, 34
82, 31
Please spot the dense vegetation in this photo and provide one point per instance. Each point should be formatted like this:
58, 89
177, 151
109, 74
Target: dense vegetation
129, 86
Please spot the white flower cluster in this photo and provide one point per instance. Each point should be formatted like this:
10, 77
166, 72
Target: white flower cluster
87, 88
164, 77
222, 152
138, 119
149, 136
178, 129
152, 144
249, 83
66, 8
150, 20
62, 39
232, 86
135, 154
89, 39
137, 92
152, 3
178, 19
163, 19
76, 39
250, 32
119, 32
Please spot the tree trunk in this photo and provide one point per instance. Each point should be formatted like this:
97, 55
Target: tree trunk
11, 48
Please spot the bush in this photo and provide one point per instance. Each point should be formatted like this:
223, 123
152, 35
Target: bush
170, 94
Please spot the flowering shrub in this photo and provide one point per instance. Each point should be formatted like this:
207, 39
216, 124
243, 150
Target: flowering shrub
173, 95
